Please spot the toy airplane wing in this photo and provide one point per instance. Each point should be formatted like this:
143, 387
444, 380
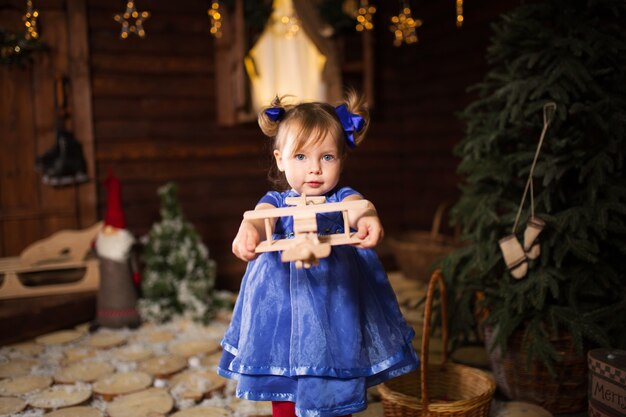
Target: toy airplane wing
305, 223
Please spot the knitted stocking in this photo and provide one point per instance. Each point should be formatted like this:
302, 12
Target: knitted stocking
287, 409
514, 256
534, 226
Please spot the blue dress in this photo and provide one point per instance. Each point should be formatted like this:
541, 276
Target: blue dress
318, 337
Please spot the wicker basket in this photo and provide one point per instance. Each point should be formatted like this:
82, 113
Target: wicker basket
448, 389
416, 251
566, 392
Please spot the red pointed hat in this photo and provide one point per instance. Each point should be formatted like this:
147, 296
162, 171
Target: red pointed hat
114, 215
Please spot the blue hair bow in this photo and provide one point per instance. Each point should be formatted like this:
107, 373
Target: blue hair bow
275, 113
351, 123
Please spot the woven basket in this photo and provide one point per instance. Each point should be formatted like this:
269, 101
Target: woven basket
416, 251
564, 393
446, 390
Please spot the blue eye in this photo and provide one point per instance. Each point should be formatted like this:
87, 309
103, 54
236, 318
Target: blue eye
328, 158
299, 157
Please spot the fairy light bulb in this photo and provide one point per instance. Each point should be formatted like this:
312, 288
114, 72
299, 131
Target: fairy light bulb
30, 21
404, 26
364, 17
215, 16
125, 20
459, 13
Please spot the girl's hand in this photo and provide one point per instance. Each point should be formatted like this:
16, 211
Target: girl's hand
371, 230
246, 241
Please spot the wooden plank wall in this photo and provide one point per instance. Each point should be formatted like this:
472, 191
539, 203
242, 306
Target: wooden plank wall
30, 210
154, 113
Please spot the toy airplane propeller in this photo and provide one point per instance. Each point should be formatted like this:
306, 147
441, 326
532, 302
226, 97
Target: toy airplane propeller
307, 247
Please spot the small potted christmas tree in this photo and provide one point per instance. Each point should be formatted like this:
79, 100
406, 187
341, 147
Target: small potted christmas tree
569, 292
178, 277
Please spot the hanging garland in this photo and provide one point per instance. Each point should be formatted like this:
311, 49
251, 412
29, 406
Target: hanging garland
17, 48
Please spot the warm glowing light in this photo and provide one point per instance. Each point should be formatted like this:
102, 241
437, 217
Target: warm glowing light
215, 17
459, 13
403, 27
364, 16
137, 26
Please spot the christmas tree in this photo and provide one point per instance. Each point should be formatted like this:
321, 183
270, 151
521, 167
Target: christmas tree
178, 277
572, 53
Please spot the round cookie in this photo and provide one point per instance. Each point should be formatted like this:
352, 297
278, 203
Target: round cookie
77, 354
11, 405
133, 353
251, 408
59, 396
75, 412
105, 340
163, 366
16, 367
23, 384
202, 412
211, 360
141, 404
121, 383
83, 372
187, 348
30, 349
195, 384
59, 338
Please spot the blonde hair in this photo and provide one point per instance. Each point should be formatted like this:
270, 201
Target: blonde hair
308, 124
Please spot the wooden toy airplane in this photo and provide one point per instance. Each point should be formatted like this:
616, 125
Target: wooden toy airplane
307, 247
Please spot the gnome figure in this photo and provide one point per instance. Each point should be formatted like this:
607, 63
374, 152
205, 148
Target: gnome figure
117, 297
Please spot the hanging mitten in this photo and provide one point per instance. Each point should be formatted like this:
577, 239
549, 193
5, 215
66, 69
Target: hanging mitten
534, 226
514, 256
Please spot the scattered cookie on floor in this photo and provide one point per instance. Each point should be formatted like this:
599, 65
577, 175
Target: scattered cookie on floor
29, 349
133, 353
59, 396
75, 412
195, 384
106, 340
163, 366
121, 383
16, 367
77, 354
23, 385
187, 348
83, 372
59, 338
153, 401
11, 405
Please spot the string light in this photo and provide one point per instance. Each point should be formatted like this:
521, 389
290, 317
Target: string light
365, 16
403, 26
459, 13
216, 18
30, 21
132, 13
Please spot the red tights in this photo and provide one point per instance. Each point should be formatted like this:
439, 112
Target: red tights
287, 409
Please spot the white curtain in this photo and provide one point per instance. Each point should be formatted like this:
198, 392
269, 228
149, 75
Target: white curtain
284, 62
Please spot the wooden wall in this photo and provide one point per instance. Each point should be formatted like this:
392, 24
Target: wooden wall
154, 119
29, 209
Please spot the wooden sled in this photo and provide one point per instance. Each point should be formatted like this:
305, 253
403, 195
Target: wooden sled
307, 247
54, 265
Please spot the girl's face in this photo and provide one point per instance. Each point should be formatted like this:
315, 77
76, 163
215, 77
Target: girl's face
312, 170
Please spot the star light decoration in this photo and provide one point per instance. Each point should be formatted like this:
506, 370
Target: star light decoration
403, 26
132, 13
30, 21
216, 18
364, 16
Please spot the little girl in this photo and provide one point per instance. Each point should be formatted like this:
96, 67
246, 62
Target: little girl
313, 340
